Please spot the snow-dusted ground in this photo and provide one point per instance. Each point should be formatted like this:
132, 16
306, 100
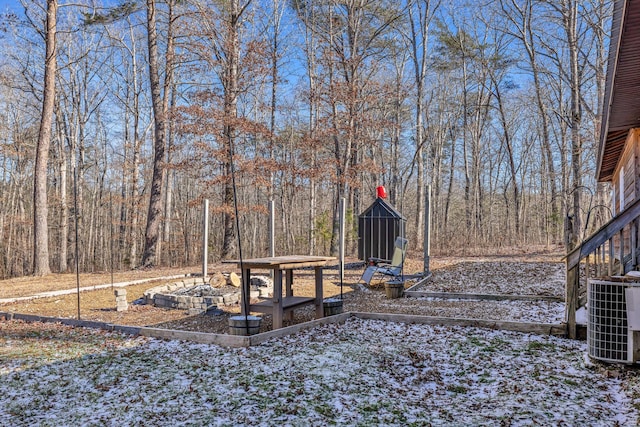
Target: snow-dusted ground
499, 277
515, 311
359, 373
375, 301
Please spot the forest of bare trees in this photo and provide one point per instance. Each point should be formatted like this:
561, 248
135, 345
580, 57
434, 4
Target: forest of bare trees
119, 117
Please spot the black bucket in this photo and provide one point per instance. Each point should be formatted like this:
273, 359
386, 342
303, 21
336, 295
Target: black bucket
241, 325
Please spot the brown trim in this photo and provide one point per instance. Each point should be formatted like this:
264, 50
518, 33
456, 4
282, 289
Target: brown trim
606, 139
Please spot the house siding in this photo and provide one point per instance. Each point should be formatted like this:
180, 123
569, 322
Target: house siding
628, 181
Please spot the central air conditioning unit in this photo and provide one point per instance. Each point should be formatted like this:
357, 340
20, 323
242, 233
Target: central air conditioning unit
613, 322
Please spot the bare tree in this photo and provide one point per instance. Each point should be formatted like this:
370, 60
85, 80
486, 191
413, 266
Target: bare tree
366, 109
568, 14
521, 15
40, 203
421, 13
353, 33
160, 103
220, 50
310, 49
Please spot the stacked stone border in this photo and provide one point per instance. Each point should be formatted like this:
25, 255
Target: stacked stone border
241, 341
163, 296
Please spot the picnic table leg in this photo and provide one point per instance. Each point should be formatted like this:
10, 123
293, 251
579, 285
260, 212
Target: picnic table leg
289, 283
246, 286
319, 293
277, 299
289, 291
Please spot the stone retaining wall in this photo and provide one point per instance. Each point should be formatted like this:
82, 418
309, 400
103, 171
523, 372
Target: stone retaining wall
164, 296
161, 296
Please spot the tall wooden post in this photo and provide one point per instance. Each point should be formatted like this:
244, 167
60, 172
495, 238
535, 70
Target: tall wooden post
571, 298
205, 238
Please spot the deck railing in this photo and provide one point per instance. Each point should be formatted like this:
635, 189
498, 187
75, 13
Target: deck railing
612, 250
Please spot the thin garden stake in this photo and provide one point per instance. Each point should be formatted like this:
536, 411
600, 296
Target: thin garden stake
244, 280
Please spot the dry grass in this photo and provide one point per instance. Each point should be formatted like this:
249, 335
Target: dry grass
100, 305
30, 285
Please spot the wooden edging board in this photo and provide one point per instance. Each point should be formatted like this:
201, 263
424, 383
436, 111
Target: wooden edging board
242, 341
482, 297
293, 329
535, 328
173, 334
419, 282
199, 337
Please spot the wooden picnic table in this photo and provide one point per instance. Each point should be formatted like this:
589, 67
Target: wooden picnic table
278, 305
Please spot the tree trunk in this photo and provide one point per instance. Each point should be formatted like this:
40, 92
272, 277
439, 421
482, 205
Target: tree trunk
452, 166
465, 155
419, 38
571, 22
169, 182
159, 102
524, 12
40, 203
512, 164
64, 205
230, 114
64, 210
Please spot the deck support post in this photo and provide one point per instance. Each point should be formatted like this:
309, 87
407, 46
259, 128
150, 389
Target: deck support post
571, 299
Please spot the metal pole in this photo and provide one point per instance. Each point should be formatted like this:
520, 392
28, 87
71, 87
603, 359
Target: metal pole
205, 238
272, 234
272, 228
75, 212
343, 212
427, 231
111, 235
245, 279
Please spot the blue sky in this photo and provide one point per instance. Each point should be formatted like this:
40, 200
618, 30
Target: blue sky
13, 5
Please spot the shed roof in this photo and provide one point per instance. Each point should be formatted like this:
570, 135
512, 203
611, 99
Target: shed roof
621, 104
381, 209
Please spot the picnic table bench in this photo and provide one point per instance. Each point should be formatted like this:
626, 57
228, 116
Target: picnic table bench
278, 305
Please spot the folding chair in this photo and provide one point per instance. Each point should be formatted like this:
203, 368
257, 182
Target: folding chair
391, 267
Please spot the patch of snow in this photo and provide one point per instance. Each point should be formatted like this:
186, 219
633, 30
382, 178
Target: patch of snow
499, 277
362, 372
581, 316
